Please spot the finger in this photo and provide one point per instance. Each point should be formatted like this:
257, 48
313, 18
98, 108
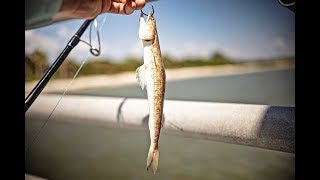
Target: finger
140, 3
121, 1
116, 8
108, 4
130, 7
121, 8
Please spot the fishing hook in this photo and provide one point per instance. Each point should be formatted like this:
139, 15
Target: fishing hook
147, 14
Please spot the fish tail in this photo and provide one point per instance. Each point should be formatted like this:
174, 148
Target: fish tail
155, 160
153, 157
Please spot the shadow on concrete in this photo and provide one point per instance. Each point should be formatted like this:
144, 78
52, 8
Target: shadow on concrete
145, 122
120, 117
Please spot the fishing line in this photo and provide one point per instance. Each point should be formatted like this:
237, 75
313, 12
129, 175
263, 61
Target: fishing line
94, 51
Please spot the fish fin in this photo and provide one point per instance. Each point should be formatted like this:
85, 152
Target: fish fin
141, 76
153, 157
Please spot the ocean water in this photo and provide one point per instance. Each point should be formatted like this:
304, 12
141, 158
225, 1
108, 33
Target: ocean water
66, 151
269, 87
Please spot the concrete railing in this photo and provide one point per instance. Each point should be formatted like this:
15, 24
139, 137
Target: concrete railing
261, 126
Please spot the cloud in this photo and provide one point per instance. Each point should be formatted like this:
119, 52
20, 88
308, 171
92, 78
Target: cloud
279, 43
189, 49
34, 40
282, 47
276, 47
64, 32
53, 46
282, 44
119, 51
136, 50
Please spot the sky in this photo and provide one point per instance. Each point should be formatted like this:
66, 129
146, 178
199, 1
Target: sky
240, 29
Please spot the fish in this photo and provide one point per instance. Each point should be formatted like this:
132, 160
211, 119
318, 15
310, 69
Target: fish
151, 76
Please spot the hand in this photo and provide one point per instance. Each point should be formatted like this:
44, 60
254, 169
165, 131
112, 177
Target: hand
88, 9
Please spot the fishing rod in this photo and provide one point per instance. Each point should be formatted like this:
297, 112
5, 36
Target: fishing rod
54, 67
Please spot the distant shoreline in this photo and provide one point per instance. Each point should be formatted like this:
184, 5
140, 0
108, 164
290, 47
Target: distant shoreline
129, 78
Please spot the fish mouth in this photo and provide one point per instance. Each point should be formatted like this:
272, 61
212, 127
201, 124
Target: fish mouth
146, 29
149, 15
142, 17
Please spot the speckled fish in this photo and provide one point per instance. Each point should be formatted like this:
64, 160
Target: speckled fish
152, 77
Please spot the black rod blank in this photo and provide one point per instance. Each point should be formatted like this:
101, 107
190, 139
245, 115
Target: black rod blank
55, 66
